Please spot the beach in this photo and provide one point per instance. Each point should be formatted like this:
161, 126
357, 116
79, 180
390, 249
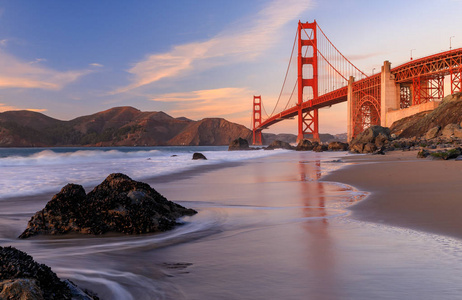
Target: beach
291, 225
407, 191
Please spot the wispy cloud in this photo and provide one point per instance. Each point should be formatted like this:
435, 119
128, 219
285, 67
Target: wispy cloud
251, 38
96, 65
201, 103
15, 73
4, 107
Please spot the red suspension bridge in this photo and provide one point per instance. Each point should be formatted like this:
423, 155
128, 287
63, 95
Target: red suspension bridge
325, 77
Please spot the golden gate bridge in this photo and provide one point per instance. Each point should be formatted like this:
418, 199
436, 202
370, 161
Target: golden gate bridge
325, 77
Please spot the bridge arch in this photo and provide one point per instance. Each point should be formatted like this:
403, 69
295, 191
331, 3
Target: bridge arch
367, 113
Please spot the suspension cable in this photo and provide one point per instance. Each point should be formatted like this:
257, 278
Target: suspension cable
287, 72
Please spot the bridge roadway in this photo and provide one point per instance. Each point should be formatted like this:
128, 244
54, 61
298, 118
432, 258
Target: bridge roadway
441, 64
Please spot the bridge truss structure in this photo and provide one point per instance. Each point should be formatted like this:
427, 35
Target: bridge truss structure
325, 77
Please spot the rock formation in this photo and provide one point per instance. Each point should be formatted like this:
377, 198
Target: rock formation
23, 278
239, 144
198, 156
118, 204
370, 139
279, 145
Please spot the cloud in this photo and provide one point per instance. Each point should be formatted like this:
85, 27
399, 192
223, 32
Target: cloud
96, 65
249, 40
4, 107
15, 73
222, 102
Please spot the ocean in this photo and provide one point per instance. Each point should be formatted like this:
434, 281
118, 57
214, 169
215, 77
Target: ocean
268, 227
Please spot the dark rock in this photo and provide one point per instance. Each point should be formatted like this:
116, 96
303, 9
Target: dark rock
380, 151
304, 145
198, 155
239, 144
369, 148
22, 276
279, 145
320, 148
118, 204
337, 146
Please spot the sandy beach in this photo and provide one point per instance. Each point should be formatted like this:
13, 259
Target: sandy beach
276, 228
406, 191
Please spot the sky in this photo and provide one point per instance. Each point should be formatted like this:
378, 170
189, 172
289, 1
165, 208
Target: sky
197, 59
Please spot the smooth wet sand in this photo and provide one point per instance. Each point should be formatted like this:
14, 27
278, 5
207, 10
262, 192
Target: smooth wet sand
406, 191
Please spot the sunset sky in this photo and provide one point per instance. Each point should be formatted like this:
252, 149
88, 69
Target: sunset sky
198, 59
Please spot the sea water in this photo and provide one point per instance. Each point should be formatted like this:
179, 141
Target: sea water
30, 171
267, 228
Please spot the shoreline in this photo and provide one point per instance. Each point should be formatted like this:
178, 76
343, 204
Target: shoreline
405, 191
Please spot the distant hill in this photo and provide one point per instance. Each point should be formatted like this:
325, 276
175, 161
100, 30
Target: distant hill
119, 126
124, 126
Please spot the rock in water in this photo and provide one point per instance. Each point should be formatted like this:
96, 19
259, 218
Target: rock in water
239, 144
337, 146
198, 155
118, 204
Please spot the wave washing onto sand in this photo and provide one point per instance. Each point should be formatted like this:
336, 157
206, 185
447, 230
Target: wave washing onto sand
49, 170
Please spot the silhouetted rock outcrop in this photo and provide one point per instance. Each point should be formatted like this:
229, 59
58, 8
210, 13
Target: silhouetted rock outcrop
198, 156
239, 144
118, 204
23, 278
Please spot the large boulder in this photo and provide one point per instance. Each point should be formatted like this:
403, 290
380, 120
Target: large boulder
448, 130
376, 135
23, 278
337, 146
118, 204
198, 156
239, 144
304, 145
432, 132
279, 145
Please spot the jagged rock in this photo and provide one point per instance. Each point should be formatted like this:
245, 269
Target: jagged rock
279, 145
239, 144
198, 155
23, 278
380, 151
304, 145
337, 146
118, 204
432, 133
20, 289
375, 135
21, 275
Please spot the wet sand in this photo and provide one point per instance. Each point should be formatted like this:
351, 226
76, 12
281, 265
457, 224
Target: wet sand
406, 191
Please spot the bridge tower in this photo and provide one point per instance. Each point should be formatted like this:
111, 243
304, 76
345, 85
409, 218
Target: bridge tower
256, 120
307, 121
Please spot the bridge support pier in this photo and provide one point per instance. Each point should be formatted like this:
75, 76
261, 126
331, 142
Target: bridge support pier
256, 121
389, 93
350, 108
